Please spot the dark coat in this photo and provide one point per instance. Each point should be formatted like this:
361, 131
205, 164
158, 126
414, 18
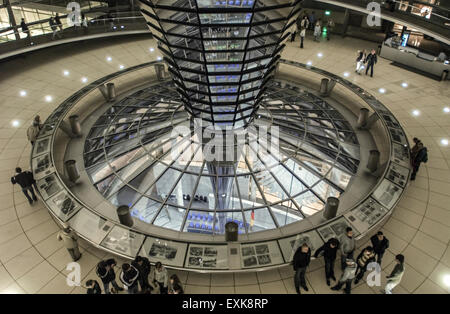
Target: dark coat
130, 278
421, 156
95, 290
371, 58
106, 276
329, 253
301, 259
379, 246
144, 269
24, 179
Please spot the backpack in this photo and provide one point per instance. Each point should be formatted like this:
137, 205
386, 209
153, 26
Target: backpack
425, 156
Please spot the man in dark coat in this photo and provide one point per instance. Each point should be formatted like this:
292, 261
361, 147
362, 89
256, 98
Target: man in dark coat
421, 156
142, 264
379, 243
301, 260
26, 181
329, 250
129, 277
105, 270
371, 60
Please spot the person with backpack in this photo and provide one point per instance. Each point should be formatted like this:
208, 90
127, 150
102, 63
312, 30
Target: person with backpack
105, 271
93, 287
26, 181
142, 264
421, 156
415, 149
329, 250
129, 277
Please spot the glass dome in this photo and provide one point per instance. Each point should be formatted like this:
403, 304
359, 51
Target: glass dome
136, 155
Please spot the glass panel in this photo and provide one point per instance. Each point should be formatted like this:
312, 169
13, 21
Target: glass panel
170, 217
259, 220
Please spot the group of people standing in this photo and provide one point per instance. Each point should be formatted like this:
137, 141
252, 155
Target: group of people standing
365, 60
308, 21
352, 269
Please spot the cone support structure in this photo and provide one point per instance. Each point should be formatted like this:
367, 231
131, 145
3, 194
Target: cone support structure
221, 53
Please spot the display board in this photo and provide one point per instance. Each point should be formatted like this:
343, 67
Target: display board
207, 256
387, 193
397, 174
91, 226
366, 215
167, 252
260, 254
123, 241
42, 166
49, 186
290, 245
63, 205
41, 146
335, 229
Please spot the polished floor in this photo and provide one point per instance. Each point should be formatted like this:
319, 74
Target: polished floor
33, 261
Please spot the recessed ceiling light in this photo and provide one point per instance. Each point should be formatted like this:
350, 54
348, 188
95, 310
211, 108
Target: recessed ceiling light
404, 84
382, 90
446, 280
346, 74
23, 93
444, 142
48, 98
152, 49
15, 123
159, 58
108, 59
122, 26
309, 63
66, 73
84, 79
121, 66
446, 109
416, 112
320, 55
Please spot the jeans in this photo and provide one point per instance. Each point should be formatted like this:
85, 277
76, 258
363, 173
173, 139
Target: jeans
301, 41
389, 287
343, 259
143, 282
379, 257
360, 272
133, 289
299, 278
415, 169
293, 36
75, 253
25, 191
329, 269
370, 65
162, 289
114, 284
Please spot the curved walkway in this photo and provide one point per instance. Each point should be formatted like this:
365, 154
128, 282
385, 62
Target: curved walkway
33, 261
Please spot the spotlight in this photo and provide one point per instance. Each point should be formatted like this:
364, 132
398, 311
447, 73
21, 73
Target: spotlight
404, 84
23, 93
346, 74
122, 26
309, 63
320, 55
84, 79
446, 280
152, 49
159, 58
66, 73
15, 123
416, 112
121, 66
382, 90
444, 142
108, 59
446, 109
48, 98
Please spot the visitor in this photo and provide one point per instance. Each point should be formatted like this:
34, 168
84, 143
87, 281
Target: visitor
175, 285
360, 57
58, 22
329, 250
302, 37
84, 22
347, 243
347, 276
301, 260
142, 264
70, 239
24, 28
312, 19
54, 28
371, 60
26, 181
33, 130
105, 270
330, 27
415, 149
93, 287
396, 275
363, 260
317, 30
129, 278
161, 278
380, 244
421, 156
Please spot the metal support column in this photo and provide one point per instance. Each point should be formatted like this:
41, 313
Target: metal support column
12, 19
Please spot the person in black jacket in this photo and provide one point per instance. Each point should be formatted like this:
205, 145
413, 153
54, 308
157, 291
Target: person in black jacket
105, 270
363, 260
301, 260
129, 277
93, 287
379, 243
24, 27
26, 181
329, 250
421, 156
142, 264
371, 59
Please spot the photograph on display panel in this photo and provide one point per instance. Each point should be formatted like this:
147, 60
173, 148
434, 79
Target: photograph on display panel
49, 186
336, 229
